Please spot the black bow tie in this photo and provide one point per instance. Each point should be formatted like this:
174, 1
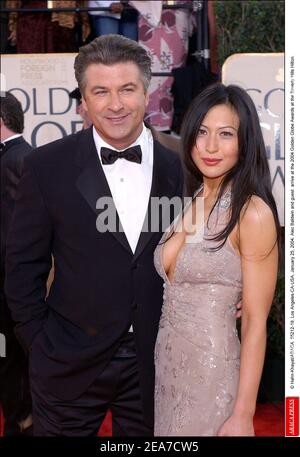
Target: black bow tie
109, 156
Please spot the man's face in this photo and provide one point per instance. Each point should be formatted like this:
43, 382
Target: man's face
115, 99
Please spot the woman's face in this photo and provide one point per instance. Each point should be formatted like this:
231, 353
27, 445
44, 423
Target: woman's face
216, 150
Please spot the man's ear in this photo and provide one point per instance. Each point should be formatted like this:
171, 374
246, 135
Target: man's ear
84, 103
147, 98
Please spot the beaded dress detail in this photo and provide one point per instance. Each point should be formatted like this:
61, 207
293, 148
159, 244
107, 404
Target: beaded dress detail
197, 349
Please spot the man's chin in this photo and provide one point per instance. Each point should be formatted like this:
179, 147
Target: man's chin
118, 141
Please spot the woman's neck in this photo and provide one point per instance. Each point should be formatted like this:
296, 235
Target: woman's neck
211, 187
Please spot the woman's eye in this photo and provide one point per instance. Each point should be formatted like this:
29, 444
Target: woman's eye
202, 132
227, 134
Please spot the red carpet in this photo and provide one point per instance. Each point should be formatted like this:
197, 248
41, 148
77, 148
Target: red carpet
105, 429
268, 421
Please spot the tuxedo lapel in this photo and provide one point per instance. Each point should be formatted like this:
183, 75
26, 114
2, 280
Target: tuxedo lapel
92, 183
163, 185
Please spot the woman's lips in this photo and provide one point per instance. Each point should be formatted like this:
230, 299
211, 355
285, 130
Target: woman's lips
211, 162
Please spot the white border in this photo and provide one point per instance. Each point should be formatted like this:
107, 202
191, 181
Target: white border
292, 240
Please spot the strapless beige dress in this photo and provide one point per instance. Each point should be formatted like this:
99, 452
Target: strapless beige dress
197, 350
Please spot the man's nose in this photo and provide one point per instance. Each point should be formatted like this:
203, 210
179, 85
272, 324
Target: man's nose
115, 103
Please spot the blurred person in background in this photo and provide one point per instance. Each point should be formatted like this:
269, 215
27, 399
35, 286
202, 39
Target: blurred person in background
15, 396
118, 20
80, 109
47, 32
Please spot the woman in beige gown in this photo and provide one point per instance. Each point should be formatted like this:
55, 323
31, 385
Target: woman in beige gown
206, 381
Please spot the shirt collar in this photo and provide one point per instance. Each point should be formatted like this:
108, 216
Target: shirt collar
13, 137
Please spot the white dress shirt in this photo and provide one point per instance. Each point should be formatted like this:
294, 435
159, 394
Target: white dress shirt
130, 184
17, 135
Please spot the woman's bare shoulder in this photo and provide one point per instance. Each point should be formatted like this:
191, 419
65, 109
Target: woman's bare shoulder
257, 226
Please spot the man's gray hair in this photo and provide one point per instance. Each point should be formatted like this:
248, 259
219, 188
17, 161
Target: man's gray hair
110, 50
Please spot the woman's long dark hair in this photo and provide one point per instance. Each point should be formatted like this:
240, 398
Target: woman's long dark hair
251, 174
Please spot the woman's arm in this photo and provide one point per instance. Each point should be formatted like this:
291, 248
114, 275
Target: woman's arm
259, 261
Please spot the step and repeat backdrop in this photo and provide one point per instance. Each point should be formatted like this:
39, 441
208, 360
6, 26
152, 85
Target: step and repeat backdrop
262, 75
42, 83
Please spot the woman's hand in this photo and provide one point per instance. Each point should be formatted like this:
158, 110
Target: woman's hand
237, 426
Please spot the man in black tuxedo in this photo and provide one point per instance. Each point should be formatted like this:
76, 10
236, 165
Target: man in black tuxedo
14, 386
91, 341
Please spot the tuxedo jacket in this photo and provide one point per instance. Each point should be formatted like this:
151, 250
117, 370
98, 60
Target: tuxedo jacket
100, 287
11, 160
